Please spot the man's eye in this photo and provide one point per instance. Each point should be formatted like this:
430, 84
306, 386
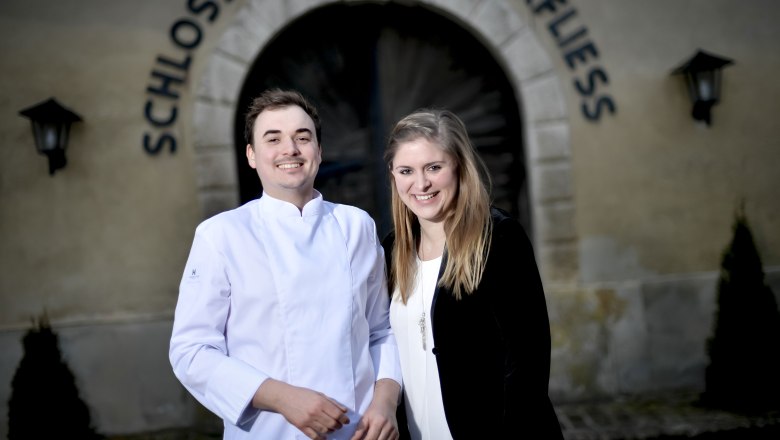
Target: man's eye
303, 139
272, 140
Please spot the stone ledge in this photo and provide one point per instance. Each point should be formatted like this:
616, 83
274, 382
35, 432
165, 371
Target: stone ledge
665, 416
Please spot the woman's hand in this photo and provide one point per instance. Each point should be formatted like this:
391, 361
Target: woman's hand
378, 422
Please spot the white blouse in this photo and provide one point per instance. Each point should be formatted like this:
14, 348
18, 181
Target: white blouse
422, 391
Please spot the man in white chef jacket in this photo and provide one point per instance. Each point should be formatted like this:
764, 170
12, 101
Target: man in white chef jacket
281, 326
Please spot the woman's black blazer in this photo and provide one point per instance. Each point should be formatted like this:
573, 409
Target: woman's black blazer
493, 346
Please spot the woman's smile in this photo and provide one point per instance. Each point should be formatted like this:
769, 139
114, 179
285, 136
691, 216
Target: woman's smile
425, 178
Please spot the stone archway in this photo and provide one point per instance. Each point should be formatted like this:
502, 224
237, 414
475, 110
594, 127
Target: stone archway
502, 30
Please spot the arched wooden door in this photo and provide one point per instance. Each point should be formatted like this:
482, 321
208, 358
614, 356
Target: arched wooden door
367, 65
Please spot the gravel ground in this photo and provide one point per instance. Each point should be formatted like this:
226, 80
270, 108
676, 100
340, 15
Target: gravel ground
662, 417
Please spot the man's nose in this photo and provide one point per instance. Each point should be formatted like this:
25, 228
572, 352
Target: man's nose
291, 147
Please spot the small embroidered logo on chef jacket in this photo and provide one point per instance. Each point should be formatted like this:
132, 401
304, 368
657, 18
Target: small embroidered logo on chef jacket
194, 275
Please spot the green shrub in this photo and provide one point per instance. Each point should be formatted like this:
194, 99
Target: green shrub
744, 349
45, 402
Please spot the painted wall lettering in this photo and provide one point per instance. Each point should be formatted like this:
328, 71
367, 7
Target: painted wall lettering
169, 74
580, 54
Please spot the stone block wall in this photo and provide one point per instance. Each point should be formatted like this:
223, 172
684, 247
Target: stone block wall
633, 337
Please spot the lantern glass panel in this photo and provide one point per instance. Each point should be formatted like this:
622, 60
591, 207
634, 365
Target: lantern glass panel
706, 85
50, 136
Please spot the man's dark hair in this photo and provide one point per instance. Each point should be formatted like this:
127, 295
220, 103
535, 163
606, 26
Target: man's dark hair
273, 99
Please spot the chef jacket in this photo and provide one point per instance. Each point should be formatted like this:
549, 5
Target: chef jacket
269, 291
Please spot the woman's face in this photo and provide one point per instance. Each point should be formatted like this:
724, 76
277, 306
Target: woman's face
426, 179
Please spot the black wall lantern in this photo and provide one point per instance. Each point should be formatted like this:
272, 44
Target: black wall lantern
51, 126
702, 73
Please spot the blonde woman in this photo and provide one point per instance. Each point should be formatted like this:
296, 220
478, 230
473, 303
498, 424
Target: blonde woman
467, 304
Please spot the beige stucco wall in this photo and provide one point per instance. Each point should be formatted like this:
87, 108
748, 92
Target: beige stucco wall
656, 192
99, 246
105, 236
631, 213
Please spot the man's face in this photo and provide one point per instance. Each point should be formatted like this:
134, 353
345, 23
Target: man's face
286, 153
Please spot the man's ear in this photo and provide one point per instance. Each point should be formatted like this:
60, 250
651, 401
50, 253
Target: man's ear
250, 156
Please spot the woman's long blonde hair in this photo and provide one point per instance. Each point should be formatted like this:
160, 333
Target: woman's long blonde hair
468, 224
